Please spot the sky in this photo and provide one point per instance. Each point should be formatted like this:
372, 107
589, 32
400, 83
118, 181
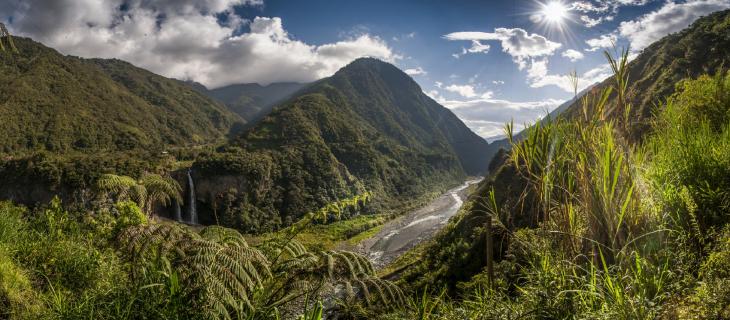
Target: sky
490, 62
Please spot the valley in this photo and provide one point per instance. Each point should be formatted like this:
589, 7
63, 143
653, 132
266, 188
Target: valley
340, 181
405, 232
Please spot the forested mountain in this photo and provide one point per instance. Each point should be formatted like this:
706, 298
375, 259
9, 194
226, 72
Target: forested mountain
62, 103
654, 77
369, 127
252, 101
702, 48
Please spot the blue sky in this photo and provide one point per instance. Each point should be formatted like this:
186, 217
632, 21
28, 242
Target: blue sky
488, 61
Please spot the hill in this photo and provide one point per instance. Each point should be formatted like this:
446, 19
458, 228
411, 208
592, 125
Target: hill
253, 101
65, 104
369, 127
654, 76
702, 48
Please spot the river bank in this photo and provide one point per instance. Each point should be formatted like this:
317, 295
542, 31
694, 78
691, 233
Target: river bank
405, 232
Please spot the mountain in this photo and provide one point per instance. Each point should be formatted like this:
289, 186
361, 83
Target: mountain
63, 104
369, 127
702, 48
253, 101
457, 253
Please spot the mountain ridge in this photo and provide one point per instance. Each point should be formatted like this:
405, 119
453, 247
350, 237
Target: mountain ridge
466, 237
62, 104
367, 128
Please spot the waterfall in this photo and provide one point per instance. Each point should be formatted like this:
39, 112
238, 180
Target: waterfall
178, 211
192, 212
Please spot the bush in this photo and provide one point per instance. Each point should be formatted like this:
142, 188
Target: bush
129, 214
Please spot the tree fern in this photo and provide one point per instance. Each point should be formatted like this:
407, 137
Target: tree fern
146, 192
225, 277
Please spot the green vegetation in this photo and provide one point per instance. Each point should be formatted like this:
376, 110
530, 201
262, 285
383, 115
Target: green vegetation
62, 104
593, 215
702, 48
112, 263
368, 127
588, 227
152, 189
252, 101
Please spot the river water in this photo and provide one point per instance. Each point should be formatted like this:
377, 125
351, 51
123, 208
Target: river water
401, 234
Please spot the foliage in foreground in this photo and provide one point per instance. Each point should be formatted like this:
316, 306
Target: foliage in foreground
598, 230
111, 263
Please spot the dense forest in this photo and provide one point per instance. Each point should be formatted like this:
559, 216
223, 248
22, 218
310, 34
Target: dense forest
616, 206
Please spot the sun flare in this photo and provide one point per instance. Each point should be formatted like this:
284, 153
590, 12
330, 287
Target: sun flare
554, 12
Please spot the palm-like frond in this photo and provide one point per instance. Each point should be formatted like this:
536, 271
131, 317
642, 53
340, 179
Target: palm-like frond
162, 189
219, 270
151, 189
119, 185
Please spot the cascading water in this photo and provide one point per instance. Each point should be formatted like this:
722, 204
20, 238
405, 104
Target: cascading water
178, 211
192, 211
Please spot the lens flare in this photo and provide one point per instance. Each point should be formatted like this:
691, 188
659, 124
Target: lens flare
554, 12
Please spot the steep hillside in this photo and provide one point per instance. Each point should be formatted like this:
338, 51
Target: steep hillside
458, 253
702, 48
61, 104
253, 101
368, 127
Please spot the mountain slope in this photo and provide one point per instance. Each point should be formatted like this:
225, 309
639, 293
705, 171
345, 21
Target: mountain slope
62, 103
253, 101
369, 127
458, 253
394, 104
702, 48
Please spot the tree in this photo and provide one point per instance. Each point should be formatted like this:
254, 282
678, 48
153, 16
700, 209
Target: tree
148, 191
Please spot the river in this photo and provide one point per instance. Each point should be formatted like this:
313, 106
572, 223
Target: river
405, 232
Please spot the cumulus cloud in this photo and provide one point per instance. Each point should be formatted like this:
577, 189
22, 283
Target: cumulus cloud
466, 90
531, 52
596, 12
538, 77
516, 42
486, 116
573, 55
671, 17
186, 39
604, 41
415, 71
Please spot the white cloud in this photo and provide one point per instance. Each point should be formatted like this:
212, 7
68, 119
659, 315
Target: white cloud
573, 55
415, 71
477, 47
498, 82
185, 39
466, 90
516, 42
671, 17
591, 22
538, 77
587, 6
602, 10
604, 41
486, 116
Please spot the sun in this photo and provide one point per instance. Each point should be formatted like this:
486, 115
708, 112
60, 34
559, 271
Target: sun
554, 12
